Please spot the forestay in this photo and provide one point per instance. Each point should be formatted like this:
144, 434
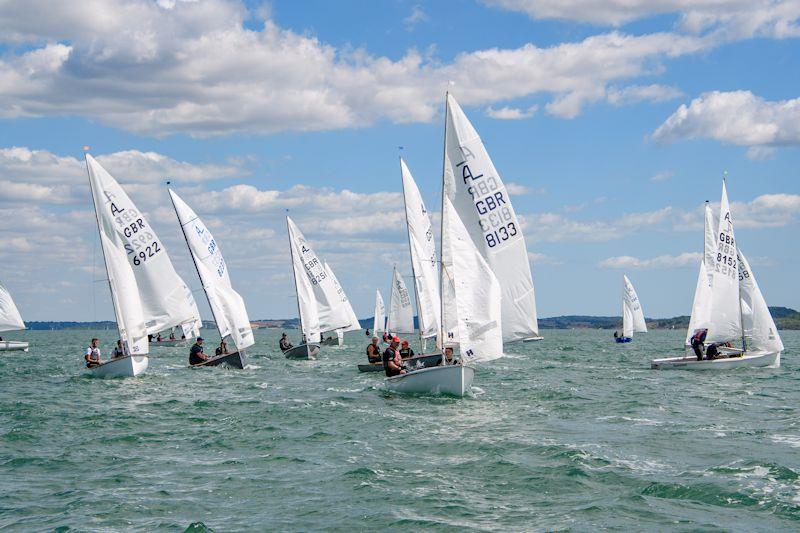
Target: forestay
477, 293
401, 315
10, 319
759, 327
166, 300
226, 304
352, 318
423, 256
482, 203
632, 315
320, 305
725, 322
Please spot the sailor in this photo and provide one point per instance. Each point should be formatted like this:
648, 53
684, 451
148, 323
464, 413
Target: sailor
392, 364
712, 352
222, 349
172, 335
697, 342
448, 355
616, 334
92, 356
118, 351
367, 333
159, 339
374, 351
405, 351
285, 344
196, 355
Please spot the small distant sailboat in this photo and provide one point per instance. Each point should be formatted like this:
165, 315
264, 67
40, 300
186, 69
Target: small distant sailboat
10, 320
227, 306
728, 306
319, 305
632, 314
379, 318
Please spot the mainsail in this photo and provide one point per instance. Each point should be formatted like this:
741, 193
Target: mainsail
481, 201
10, 318
226, 304
632, 315
166, 300
122, 281
477, 293
318, 301
725, 322
401, 315
379, 318
423, 256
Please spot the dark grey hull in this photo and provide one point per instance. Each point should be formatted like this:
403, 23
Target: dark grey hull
304, 351
370, 367
233, 360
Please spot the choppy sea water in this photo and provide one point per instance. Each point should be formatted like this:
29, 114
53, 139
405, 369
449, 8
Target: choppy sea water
574, 432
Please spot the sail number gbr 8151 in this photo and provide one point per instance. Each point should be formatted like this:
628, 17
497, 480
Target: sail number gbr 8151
142, 245
495, 215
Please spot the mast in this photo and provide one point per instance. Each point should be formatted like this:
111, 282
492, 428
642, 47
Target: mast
441, 233
194, 262
114, 301
294, 276
411, 254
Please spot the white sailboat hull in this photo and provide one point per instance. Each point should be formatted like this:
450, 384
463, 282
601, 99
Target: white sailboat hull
122, 367
750, 359
454, 380
533, 339
13, 345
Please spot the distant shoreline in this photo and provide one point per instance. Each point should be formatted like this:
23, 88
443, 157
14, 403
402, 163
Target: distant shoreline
785, 318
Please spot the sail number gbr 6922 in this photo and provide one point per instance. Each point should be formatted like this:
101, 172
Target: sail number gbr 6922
142, 244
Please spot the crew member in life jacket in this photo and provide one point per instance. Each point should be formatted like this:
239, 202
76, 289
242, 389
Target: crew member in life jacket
405, 351
196, 355
374, 351
285, 344
392, 363
697, 341
92, 356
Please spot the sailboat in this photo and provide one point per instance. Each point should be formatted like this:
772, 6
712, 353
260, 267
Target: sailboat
354, 323
728, 306
471, 293
319, 305
227, 306
379, 318
632, 314
10, 320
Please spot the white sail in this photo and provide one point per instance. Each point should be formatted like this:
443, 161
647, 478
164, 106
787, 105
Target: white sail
759, 327
632, 315
711, 225
166, 300
482, 202
725, 323
423, 256
449, 313
10, 318
352, 318
701, 305
122, 281
401, 314
379, 320
320, 305
226, 304
477, 293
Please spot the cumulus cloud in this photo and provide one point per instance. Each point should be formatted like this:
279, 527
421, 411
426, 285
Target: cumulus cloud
206, 68
626, 262
416, 16
730, 19
642, 93
738, 117
517, 189
511, 113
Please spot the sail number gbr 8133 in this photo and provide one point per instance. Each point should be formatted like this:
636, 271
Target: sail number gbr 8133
496, 217
142, 245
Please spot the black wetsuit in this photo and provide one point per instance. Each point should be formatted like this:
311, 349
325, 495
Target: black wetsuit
712, 352
405, 353
195, 355
376, 354
285, 345
388, 355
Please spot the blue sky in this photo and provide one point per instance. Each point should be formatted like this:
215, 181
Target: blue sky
613, 121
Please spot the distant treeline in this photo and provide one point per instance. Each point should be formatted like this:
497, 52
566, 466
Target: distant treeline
785, 318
